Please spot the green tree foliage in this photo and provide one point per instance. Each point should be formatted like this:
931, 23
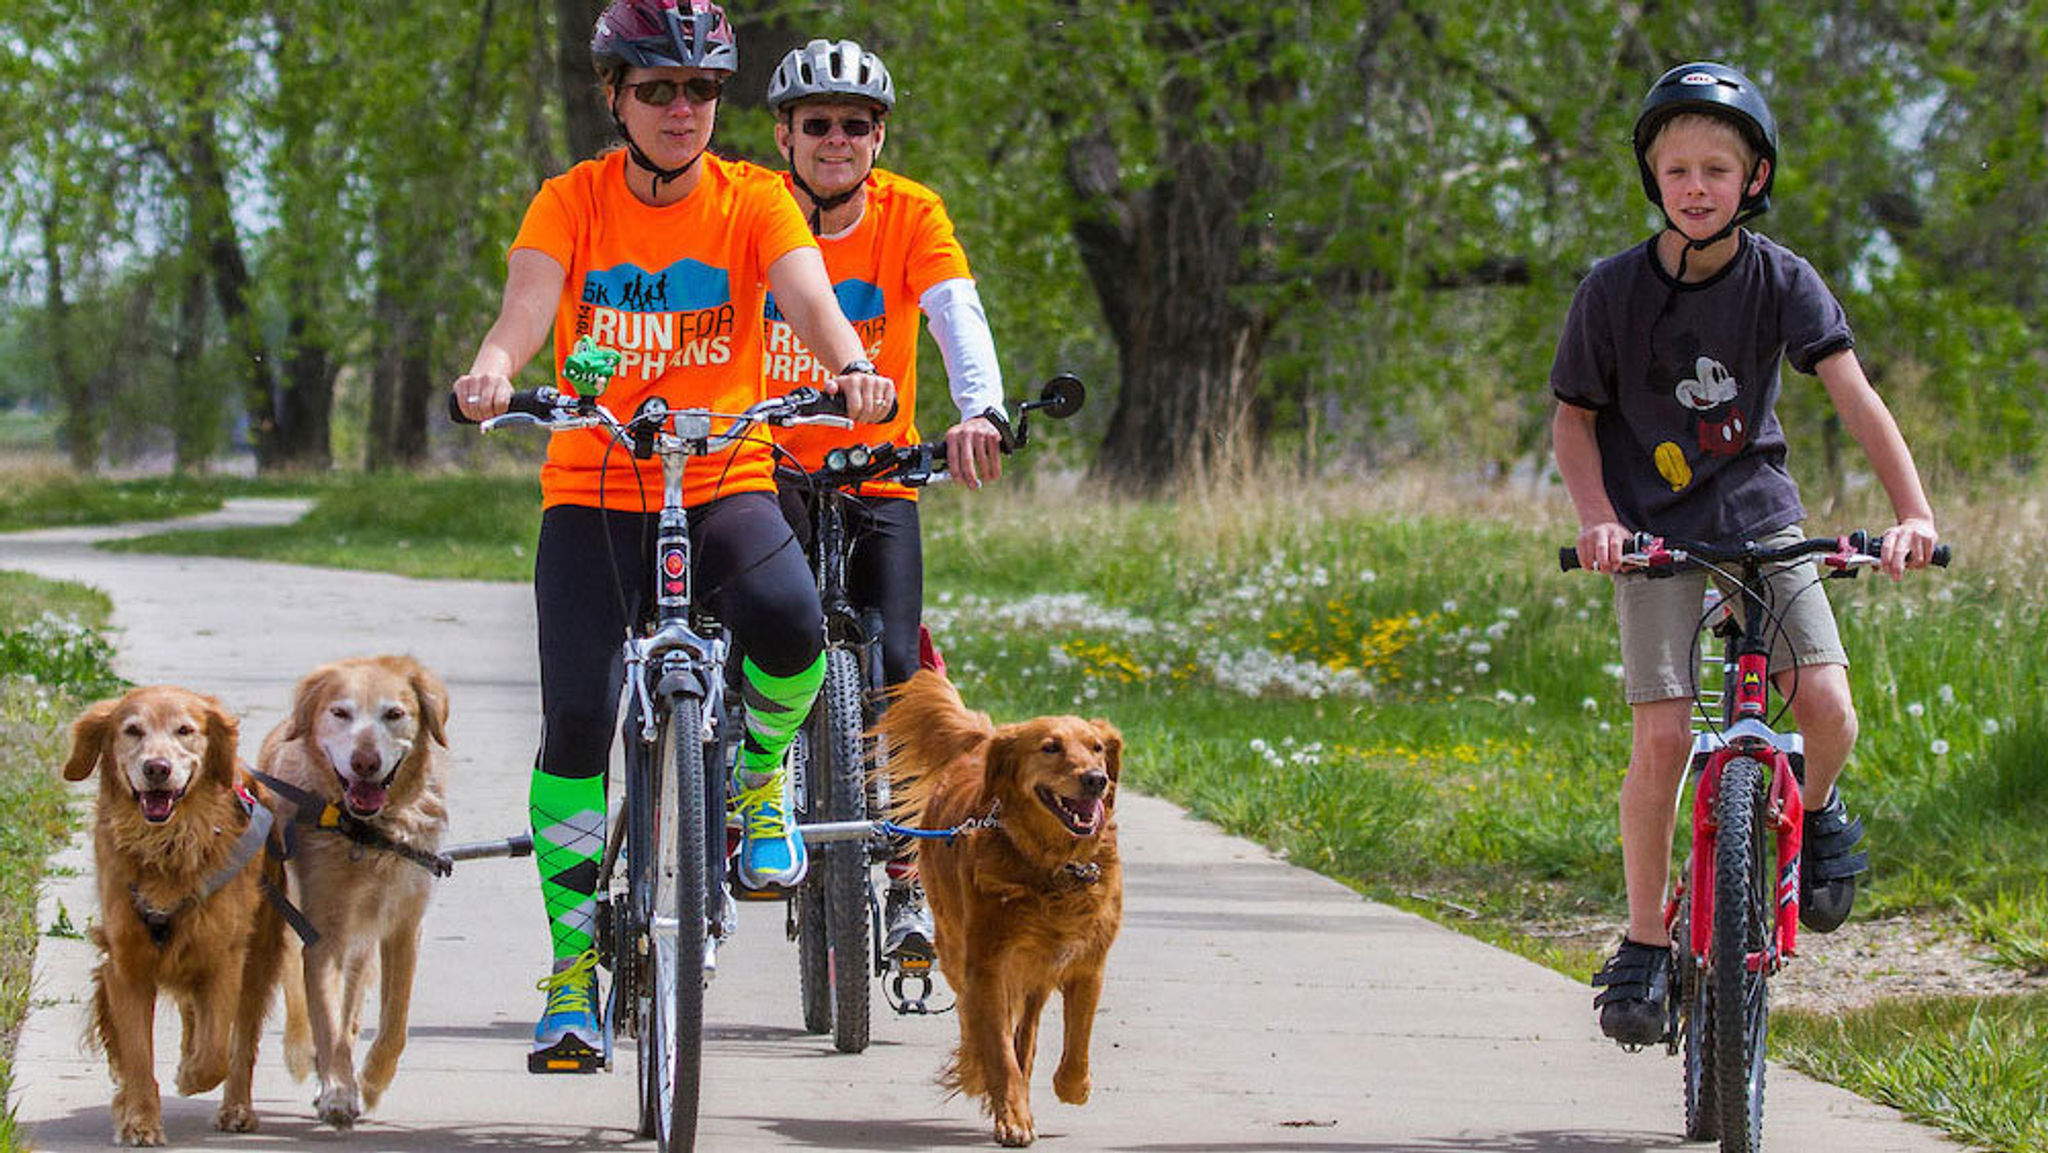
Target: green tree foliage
1342, 232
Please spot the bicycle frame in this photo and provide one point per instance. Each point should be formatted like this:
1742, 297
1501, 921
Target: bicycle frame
1744, 731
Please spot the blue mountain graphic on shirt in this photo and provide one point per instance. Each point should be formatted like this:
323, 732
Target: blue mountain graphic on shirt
685, 286
858, 299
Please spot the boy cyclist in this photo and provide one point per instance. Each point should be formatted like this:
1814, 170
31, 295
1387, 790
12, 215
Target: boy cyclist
891, 253
1667, 377
660, 250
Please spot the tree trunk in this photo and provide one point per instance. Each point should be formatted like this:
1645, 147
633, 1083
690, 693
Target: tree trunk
195, 411
305, 410
402, 387
588, 120
1166, 261
80, 422
207, 191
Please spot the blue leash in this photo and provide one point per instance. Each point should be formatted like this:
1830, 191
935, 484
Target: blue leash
972, 824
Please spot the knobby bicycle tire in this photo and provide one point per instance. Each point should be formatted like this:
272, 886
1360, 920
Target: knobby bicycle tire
841, 783
678, 932
814, 953
1696, 1031
1744, 918
629, 966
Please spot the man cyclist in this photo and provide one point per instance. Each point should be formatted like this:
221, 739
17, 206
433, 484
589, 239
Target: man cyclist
891, 253
660, 251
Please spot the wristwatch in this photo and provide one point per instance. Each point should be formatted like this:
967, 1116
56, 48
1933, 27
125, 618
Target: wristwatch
859, 364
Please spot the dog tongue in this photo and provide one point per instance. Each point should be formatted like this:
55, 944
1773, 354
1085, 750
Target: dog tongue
366, 796
1086, 810
157, 804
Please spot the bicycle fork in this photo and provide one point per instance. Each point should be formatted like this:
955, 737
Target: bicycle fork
1786, 820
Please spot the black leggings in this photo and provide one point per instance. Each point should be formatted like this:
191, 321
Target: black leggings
885, 570
749, 571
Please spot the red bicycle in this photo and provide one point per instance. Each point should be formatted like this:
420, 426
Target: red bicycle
1734, 909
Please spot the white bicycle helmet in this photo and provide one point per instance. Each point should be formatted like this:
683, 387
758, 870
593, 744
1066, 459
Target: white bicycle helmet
831, 68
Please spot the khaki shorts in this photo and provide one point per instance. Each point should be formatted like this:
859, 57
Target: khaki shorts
1661, 615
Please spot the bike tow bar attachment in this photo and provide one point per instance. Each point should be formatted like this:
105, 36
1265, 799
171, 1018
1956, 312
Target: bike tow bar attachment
520, 845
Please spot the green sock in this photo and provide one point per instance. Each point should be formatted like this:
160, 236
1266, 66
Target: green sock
776, 708
568, 841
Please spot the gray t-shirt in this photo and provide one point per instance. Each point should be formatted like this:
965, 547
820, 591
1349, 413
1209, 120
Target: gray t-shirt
1684, 379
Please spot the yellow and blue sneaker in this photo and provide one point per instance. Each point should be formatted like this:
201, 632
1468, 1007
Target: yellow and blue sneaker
568, 1038
771, 849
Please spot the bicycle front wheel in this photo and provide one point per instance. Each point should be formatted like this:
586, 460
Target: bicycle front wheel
1745, 916
678, 932
839, 780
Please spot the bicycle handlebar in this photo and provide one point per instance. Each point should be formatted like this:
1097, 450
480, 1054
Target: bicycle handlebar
546, 405
921, 464
1656, 554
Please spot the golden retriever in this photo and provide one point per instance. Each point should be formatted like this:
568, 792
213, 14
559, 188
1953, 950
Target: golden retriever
364, 741
1024, 907
179, 847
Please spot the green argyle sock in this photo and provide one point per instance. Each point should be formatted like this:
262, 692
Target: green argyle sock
776, 708
568, 841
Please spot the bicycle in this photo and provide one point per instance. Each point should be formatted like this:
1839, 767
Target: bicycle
836, 918
1734, 921
664, 911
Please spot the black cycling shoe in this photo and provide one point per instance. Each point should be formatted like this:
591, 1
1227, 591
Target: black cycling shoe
1635, 1005
1829, 863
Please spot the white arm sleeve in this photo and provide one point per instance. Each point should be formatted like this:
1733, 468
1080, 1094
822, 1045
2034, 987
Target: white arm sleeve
960, 327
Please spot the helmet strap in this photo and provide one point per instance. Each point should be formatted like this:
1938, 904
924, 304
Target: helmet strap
643, 160
820, 205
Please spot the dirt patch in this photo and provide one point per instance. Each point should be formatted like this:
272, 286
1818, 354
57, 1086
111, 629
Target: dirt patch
1863, 962
1878, 960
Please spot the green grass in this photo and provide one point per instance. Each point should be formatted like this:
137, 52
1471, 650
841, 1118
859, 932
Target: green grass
53, 660
1978, 1069
451, 526
1396, 687
47, 498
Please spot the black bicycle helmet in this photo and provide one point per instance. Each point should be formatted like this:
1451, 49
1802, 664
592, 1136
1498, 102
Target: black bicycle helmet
1714, 90
664, 34
831, 68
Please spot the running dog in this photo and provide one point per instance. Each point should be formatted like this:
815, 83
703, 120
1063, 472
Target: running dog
360, 765
179, 840
1028, 904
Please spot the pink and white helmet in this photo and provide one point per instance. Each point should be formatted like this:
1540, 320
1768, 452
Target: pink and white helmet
664, 34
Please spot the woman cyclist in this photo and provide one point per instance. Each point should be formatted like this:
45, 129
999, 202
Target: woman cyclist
660, 251
891, 254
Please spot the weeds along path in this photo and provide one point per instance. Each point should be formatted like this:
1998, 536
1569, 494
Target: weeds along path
1249, 1006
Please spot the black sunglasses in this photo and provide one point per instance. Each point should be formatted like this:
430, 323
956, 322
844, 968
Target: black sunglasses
662, 93
854, 128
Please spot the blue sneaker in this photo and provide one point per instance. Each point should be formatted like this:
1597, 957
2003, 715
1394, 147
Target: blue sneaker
771, 849
568, 1038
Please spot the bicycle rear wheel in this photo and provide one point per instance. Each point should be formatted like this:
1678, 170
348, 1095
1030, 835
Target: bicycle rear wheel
840, 783
1696, 1031
1744, 919
677, 930
814, 953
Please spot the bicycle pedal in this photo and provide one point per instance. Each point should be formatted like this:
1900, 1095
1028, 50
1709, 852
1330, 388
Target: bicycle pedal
568, 1055
765, 894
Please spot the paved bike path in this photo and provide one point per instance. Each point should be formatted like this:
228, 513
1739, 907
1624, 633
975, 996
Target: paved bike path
1249, 1006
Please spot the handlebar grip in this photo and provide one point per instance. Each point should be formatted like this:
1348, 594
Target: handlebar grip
534, 402
1568, 558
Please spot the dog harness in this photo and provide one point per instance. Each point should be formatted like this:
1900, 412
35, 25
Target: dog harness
318, 812
247, 847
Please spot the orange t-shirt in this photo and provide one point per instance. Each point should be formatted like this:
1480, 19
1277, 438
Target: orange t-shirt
678, 290
903, 245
